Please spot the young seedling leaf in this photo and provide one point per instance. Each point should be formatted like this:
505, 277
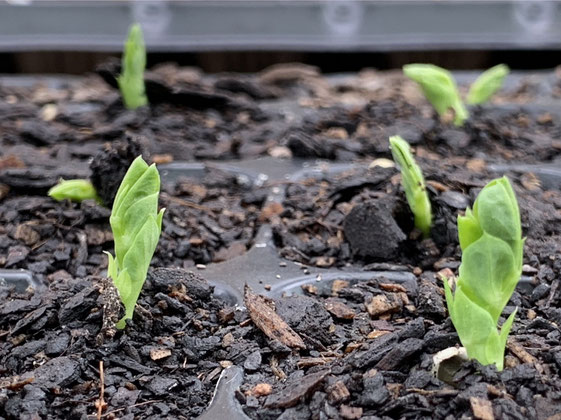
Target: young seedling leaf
413, 183
76, 190
490, 238
131, 80
487, 84
439, 88
136, 226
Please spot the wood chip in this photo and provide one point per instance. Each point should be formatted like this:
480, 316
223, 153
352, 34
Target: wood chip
157, 354
476, 165
26, 234
390, 287
260, 390
394, 389
270, 210
338, 309
336, 133
384, 304
228, 340
376, 334
324, 262
440, 187
262, 313
350, 413
521, 353
352, 346
11, 161
296, 390
163, 158
308, 362
196, 241
310, 288
338, 285
338, 393
482, 409
15, 383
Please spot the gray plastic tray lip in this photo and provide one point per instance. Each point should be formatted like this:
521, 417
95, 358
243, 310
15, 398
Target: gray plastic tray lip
335, 25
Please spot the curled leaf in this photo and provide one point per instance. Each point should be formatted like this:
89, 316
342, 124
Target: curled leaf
76, 190
439, 88
487, 84
413, 183
136, 226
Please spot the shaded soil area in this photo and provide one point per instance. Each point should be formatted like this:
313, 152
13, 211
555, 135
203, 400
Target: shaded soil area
369, 348
368, 345
165, 366
210, 217
339, 350
284, 111
359, 217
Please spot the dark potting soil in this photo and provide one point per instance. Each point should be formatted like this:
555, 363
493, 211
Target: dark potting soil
368, 355
165, 364
285, 111
208, 219
361, 349
369, 344
360, 218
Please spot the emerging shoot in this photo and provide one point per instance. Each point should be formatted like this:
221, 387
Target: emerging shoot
487, 84
491, 242
439, 88
131, 80
136, 226
413, 183
76, 190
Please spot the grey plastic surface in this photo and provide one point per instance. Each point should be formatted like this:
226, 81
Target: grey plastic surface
320, 25
20, 279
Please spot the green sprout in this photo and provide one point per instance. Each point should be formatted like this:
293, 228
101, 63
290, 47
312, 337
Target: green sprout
487, 84
492, 245
136, 226
440, 89
413, 184
76, 190
131, 79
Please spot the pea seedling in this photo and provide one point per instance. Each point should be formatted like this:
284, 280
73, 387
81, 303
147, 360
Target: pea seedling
487, 84
131, 80
413, 184
492, 245
76, 190
136, 226
440, 89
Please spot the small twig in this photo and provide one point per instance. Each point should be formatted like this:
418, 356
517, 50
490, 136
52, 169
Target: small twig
130, 406
101, 402
186, 203
435, 392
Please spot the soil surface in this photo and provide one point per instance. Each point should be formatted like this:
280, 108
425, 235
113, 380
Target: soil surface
338, 350
284, 111
211, 218
335, 219
369, 345
368, 355
165, 365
